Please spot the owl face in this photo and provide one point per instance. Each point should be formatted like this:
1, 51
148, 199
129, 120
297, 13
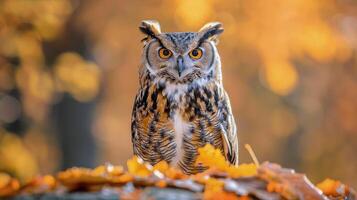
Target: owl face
180, 57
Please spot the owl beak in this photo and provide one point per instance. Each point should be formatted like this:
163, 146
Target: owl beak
180, 65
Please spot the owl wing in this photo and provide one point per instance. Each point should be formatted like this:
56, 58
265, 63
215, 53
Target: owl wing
229, 131
141, 117
152, 131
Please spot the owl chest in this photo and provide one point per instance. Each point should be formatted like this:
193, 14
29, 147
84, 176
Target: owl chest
173, 121
193, 118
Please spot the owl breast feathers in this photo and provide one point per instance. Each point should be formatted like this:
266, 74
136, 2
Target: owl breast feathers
181, 104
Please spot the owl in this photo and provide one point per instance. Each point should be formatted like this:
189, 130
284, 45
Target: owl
181, 104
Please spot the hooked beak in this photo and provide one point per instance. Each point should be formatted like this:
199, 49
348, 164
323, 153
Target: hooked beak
180, 67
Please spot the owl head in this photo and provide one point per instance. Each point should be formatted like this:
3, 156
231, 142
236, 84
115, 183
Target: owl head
181, 57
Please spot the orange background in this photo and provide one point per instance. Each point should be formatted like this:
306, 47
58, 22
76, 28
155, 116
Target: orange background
290, 68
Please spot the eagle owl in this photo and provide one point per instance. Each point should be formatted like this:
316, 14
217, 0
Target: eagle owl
181, 104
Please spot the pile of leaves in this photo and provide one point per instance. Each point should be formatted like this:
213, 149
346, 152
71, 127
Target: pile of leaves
220, 181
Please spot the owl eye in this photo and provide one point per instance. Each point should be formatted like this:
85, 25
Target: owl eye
164, 53
196, 54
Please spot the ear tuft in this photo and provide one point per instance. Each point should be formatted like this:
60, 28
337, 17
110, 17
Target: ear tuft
150, 27
210, 31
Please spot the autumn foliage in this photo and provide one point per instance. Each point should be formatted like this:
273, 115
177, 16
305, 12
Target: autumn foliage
221, 179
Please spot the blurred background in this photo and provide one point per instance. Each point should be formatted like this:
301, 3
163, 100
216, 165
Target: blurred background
69, 74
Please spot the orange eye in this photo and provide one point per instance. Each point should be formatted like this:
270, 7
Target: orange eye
164, 53
196, 54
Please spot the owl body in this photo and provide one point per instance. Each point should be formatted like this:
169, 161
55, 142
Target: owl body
181, 104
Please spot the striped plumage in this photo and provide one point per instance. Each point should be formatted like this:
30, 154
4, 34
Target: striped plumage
181, 104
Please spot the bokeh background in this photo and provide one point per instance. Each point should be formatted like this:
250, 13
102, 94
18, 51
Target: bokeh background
69, 74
